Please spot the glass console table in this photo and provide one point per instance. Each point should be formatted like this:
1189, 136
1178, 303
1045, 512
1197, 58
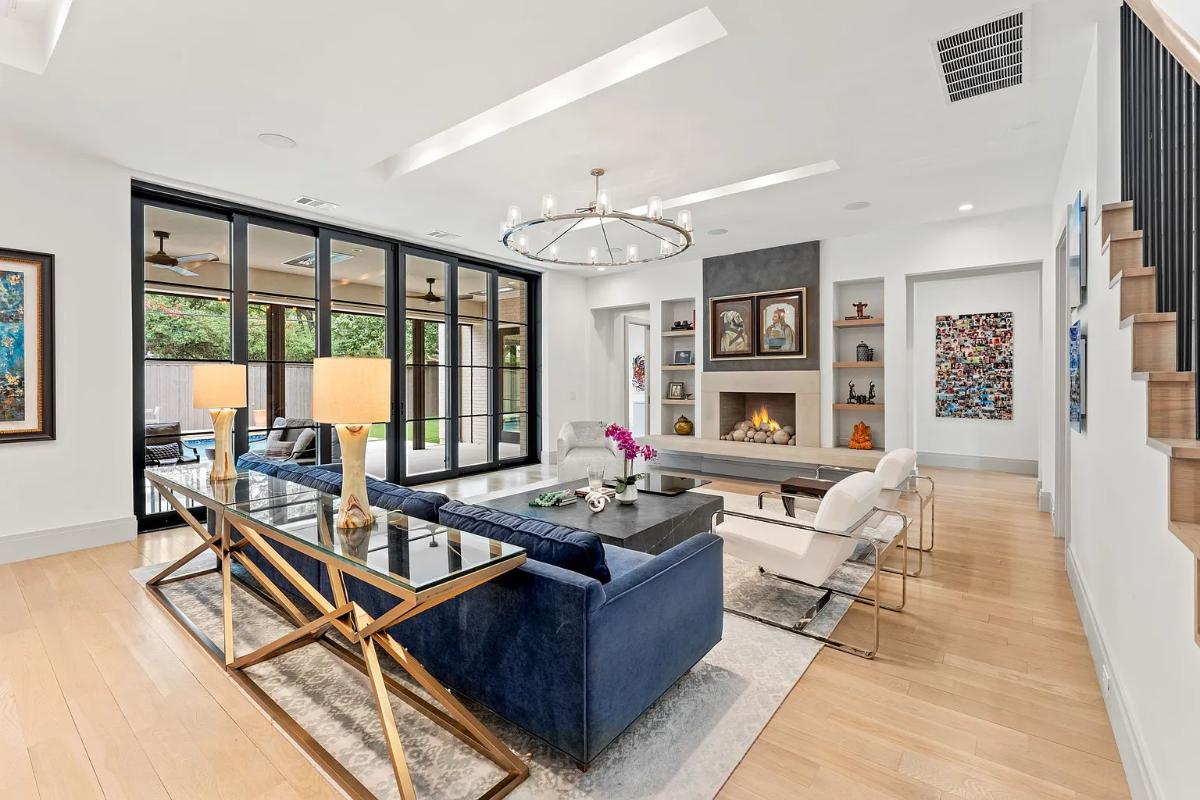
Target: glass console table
417, 563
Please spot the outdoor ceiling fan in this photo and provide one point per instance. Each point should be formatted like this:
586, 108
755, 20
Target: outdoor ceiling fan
161, 259
431, 296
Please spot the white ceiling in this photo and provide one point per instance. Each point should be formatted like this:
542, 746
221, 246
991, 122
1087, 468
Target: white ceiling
182, 90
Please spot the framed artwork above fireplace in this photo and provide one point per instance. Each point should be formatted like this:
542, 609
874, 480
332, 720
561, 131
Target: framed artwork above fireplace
759, 325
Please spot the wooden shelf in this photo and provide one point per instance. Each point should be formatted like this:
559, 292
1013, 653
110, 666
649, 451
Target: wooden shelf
858, 365
678, 367
667, 402
857, 323
858, 406
692, 332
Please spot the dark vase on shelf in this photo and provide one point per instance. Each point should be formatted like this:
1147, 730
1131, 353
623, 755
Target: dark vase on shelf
862, 352
683, 426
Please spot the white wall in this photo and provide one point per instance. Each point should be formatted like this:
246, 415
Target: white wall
76, 491
1134, 580
971, 242
564, 358
1012, 440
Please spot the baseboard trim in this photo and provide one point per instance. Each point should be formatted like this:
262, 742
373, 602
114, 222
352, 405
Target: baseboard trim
986, 463
1125, 730
52, 541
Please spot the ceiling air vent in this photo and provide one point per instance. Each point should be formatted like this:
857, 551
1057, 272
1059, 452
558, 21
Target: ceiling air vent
440, 234
984, 58
312, 202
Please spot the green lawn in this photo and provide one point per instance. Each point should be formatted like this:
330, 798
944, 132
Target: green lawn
433, 434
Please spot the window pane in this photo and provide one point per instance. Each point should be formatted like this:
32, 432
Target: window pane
193, 250
514, 436
187, 327
474, 390
358, 334
474, 440
281, 262
281, 332
424, 284
474, 296
357, 273
514, 299
168, 400
426, 390
424, 441
514, 390
425, 341
291, 407
474, 336
514, 350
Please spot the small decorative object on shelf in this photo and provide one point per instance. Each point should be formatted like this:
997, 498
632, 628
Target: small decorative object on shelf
858, 311
681, 325
683, 426
550, 499
627, 484
863, 352
867, 399
675, 390
860, 439
596, 501
683, 357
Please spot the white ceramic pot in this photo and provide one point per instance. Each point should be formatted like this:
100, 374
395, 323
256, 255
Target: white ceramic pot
629, 496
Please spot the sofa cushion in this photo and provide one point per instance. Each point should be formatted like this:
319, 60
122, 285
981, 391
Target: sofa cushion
569, 548
415, 503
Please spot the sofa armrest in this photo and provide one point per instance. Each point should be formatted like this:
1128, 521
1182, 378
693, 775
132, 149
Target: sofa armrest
657, 621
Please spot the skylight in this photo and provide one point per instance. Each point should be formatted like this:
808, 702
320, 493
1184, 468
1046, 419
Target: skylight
672, 40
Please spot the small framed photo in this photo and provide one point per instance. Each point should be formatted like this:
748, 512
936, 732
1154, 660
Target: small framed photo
675, 390
682, 357
782, 323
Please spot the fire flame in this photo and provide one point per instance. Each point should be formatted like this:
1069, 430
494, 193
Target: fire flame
760, 416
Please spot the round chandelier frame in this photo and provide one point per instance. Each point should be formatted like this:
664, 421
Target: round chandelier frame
674, 235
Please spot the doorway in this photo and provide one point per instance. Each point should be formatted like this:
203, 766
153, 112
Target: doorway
637, 376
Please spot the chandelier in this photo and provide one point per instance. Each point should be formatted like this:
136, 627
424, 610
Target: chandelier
622, 238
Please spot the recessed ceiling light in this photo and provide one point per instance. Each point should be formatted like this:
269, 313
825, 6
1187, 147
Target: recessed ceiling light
857, 205
277, 141
644, 53
967, 207
718, 231
601, 269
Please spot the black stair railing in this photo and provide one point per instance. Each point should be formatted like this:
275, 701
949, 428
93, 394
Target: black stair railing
1160, 101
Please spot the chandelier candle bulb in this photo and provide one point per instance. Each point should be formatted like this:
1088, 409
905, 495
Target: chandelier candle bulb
631, 254
654, 207
665, 248
684, 220
523, 243
603, 203
554, 252
593, 255
514, 216
548, 205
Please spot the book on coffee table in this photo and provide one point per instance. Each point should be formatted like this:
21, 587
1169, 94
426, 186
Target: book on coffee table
607, 491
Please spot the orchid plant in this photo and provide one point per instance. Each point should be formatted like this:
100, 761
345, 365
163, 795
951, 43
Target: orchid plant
629, 447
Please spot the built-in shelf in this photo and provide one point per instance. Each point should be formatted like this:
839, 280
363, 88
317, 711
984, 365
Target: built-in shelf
680, 333
858, 323
679, 402
677, 367
858, 365
858, 406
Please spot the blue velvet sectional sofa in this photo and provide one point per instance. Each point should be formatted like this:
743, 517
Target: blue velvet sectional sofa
573, 645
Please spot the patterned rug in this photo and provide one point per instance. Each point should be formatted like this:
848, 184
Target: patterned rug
684, 746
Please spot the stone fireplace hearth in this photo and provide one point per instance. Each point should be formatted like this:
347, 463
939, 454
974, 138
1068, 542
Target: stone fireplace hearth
758, 417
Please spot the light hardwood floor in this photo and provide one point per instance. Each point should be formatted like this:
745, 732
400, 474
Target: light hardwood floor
984, 687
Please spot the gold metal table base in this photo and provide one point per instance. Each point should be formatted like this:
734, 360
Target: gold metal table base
356, 626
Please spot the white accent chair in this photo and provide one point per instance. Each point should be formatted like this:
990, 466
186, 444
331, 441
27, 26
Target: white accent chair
582, 444
788, 550
899, 475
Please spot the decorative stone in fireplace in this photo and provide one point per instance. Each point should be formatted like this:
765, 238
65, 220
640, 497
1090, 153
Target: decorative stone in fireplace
758, 417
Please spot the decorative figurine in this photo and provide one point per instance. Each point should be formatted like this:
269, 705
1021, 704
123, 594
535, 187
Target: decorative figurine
858, 311
683, 426
861, 438
870, 398
850, 396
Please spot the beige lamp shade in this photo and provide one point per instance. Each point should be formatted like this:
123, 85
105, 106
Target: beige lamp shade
219, 386
352, 390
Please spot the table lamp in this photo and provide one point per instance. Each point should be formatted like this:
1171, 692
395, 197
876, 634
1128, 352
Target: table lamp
221, 388
352, 393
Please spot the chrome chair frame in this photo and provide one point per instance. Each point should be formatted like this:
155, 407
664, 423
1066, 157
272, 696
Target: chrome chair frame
924, 500
872, 600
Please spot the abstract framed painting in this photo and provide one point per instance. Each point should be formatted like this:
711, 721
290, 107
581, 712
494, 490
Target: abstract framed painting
1077, 375
26, 346
973, 365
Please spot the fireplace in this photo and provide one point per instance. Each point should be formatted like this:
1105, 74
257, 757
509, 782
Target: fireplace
765, 418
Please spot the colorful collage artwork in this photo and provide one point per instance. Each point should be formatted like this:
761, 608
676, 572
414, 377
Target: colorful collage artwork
12, 346
974, 366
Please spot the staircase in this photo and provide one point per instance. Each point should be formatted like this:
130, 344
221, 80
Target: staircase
1170, 394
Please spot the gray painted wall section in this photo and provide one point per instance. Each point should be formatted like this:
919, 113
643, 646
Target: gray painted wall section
772, 269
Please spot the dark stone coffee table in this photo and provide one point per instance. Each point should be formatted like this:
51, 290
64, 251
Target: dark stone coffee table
653, 524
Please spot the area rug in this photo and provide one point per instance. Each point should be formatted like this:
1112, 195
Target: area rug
684, 746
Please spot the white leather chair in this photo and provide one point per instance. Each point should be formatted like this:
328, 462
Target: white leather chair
899, 476
582, 444
787, 549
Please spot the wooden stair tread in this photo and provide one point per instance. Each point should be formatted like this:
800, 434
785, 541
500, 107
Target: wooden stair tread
1188, 533
1129, 273
1121, 237
1165, 377
1117, 206
1153, 317
1176, 448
